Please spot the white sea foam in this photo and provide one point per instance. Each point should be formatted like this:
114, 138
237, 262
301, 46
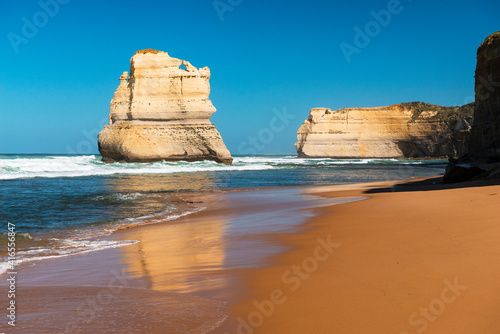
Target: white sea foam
153, 218
118, 197
68, 247
4, 267
89, 240
75, 166
15, 167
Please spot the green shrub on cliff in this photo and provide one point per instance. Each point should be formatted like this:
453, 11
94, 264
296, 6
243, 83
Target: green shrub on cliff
443, 113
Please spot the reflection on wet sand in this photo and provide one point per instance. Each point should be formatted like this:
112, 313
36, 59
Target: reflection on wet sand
178, 257
197, 253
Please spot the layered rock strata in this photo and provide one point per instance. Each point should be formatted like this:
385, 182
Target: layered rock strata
162, 112
407, 130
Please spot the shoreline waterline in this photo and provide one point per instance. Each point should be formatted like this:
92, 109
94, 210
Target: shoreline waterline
159, 263
67, 204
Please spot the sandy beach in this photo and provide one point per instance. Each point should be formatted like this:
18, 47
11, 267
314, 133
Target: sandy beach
412, 258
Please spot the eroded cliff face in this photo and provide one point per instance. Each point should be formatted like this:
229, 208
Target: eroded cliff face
482, 161
485, 133
408, 130
162, 112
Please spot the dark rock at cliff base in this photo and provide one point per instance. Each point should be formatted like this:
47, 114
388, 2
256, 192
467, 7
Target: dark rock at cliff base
461, 173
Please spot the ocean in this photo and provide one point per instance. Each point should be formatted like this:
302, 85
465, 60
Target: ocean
63, 205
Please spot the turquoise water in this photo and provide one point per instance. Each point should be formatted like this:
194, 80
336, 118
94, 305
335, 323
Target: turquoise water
63, 205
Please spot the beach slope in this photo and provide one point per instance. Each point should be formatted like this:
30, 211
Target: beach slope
412, 259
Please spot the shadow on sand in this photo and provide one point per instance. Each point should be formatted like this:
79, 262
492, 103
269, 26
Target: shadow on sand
432, 184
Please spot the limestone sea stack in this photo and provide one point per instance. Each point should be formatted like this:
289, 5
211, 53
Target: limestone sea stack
407, 130
162, 112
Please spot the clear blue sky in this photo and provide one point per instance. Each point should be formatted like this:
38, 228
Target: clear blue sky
264, 55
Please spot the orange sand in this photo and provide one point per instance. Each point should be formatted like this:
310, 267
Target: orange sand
404, 262
423, 259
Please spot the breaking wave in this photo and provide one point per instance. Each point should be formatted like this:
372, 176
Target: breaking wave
26, 166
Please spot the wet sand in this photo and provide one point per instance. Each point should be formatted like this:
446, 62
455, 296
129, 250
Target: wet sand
181, 277
412, 259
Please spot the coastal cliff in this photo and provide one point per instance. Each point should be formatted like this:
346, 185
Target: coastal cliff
482, 160
407, 130
162, 112
485, 132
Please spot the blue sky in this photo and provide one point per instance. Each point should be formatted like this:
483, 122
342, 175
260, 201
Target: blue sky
266, 57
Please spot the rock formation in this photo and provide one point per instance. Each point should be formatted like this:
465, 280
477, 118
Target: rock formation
482, 160
485, 133
407, 130
162, 113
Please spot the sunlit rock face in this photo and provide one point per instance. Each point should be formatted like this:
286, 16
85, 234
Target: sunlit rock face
407, 130
162, 112
485, 135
